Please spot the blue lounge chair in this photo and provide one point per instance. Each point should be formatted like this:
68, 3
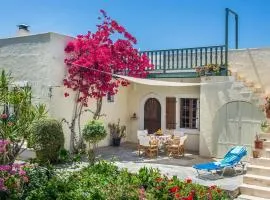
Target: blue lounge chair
231, 160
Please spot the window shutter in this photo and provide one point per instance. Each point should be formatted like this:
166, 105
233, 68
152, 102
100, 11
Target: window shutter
170, 112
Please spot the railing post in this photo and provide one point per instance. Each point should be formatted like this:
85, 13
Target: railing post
164, 62
228, 11
236, 31
226, 36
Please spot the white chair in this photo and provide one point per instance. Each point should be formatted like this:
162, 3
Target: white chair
149, 145
178, 133
140, 135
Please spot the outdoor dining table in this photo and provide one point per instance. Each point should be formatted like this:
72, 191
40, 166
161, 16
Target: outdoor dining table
162, 139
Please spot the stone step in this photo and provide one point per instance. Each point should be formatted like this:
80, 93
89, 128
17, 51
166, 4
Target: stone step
238, 85
266, 144
249, 84
258, 170
260, 161
265, 152
248, 197
257, 90
254, 190
252, 179
264, 136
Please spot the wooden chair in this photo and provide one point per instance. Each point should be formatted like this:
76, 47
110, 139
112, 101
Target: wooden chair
176, 148
150, 146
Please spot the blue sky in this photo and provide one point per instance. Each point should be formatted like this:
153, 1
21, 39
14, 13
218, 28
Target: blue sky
157, 24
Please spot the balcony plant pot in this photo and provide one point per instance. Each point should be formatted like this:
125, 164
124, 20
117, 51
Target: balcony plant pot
208, 73
223, 72
256, 154
258, 144
116, 142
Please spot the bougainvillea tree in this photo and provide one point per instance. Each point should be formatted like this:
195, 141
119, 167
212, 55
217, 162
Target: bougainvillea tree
91, 61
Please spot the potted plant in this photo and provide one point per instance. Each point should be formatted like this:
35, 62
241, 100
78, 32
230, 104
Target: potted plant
265, 127
117, 132
267, 106
258, 143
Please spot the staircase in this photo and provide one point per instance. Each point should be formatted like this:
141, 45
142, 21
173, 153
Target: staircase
256, 182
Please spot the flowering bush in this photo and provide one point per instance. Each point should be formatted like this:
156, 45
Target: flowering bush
162, 187
91, 61
12, 179
105, 181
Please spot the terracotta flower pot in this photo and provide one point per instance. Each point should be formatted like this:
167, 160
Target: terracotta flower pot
256, 154
267, 112
258, 144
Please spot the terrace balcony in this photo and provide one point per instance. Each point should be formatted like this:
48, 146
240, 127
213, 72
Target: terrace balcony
181, 63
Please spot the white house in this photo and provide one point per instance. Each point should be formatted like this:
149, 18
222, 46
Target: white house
222, 112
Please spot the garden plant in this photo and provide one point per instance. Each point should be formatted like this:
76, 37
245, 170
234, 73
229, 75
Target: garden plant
18, 116
92, 60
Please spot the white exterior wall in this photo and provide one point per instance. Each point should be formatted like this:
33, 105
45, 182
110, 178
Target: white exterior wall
39, 59
216, 93
28, 60
138, 95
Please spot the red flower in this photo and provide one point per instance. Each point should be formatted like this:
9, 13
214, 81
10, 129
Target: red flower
66, 94
188, 180
177, 195
3, 116
212, 187
174, 189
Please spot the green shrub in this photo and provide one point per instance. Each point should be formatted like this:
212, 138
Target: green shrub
93, 132
47, 139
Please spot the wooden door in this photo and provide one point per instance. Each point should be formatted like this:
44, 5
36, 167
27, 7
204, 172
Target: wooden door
152, 115
238, 124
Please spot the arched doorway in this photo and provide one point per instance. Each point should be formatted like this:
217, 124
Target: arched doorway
236, 123
152, 115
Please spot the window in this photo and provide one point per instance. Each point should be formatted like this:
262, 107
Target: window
110, 98
189, 113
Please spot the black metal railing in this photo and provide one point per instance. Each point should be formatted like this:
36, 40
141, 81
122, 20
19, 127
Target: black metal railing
172, 60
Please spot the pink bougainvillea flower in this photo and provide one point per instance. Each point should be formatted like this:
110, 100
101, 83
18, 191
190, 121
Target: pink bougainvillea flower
4, 116
25, 179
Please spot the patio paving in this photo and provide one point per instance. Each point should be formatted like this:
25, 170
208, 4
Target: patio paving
126, 156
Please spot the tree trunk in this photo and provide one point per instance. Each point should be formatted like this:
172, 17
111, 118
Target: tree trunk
98, 109
72, 147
